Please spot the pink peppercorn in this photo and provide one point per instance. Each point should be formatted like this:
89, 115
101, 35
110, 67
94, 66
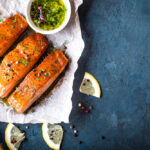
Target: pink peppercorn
40, 7
42, 16
87, 111
82, 107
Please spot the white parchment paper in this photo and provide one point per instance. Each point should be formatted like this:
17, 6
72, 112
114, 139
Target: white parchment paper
56, 106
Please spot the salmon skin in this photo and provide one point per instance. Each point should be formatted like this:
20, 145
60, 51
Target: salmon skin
17, 63
38, 81
10, 30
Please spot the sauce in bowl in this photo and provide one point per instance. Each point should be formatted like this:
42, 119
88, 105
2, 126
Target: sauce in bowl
48, 14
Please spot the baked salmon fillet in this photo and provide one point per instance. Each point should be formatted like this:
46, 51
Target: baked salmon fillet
17, 63
38, 81
10, 30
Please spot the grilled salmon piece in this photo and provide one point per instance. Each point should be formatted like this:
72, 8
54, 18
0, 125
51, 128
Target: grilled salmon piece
38, 81
20, 61
10, 30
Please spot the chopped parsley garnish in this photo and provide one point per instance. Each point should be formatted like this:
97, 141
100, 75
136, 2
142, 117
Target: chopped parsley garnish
2, 36
8, 77
37, 79
34, 49
15, 20
22, 44
32, 87
27, 86
26, 63
1, 20
19, 91
20, 60
12, 26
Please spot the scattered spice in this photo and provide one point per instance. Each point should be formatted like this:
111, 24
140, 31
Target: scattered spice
34, 49
45, 74
87, 111
15, 20
20, 60
8, 77
8, 65
72, 126
75, 135
79, 142
19, 91
27, 127
22, 44
26, 48
102, 137
26, 63
75, 131
39, 74
37, 79
32, 87
13, 141
91, 107
12, 26
2, 36
79, 104
82, 107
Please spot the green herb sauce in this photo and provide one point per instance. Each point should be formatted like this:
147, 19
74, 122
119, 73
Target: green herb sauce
54, 12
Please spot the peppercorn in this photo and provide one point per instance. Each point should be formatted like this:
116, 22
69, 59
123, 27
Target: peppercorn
8, 65
75, 135
91, 107
79, 142
82, 107
39, 74
72, 126
45, 74
42, 16
87, 111
40, 7
27, 127
75, 131
102, 137
13, 141
79, 104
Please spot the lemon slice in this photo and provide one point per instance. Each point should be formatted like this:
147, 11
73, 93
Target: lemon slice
90, 86
13, 137
53, 135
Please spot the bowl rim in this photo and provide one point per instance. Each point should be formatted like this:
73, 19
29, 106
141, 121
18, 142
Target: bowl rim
61, 27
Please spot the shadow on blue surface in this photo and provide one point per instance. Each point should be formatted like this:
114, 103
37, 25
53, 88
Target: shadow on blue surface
117, 53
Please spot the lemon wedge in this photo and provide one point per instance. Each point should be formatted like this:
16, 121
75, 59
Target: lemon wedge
13, 137
53, 135
90, 86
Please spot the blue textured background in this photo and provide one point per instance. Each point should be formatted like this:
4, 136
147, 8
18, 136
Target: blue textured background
117, 53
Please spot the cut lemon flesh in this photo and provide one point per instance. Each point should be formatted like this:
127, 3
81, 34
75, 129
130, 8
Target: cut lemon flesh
90, 86
53, 135
13, 137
